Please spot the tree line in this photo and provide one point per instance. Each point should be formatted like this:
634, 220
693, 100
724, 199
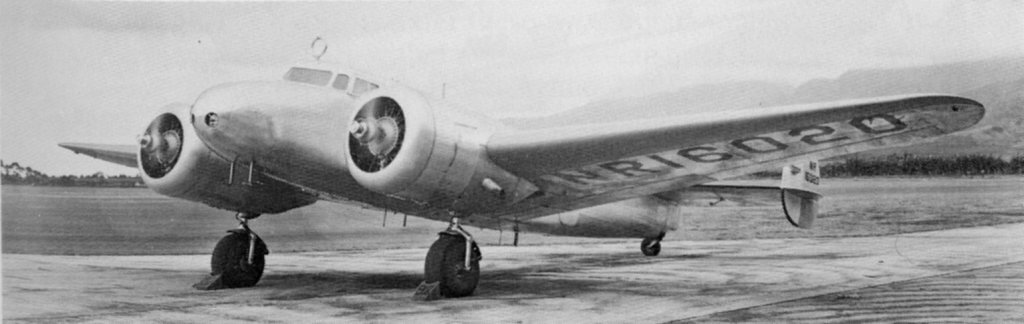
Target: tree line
889, 165
917, 165
927, 165
16, 174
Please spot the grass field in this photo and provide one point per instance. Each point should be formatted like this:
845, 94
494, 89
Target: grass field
84, 221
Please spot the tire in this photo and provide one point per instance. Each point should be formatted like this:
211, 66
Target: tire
229, 260
446, 264
650, 249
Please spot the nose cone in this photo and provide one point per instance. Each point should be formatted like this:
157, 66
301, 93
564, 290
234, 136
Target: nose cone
224, 99
245, 120
235, 119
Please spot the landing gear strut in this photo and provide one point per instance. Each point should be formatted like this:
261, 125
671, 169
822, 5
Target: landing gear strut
651, 246
237, 260
449, 271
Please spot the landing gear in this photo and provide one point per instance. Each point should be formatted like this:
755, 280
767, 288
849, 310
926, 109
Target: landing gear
651, 246
449, 271
238, 258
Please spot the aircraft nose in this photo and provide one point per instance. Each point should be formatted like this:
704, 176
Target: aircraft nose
245, 120
214, 102
228, 118
210, 119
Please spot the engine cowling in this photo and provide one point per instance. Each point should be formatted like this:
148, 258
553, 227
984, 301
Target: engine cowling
400, 144
173, 161
170, 154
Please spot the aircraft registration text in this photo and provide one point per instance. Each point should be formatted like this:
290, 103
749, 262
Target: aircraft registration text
735, 153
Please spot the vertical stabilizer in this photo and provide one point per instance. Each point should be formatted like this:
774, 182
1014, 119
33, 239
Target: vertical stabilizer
800, 194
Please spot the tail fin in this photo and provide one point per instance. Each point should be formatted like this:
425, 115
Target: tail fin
800, 194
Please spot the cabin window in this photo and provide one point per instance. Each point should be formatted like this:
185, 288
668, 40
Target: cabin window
361, 86
341, 82
310, 76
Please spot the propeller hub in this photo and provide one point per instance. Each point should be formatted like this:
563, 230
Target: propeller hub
360, 129
145, 140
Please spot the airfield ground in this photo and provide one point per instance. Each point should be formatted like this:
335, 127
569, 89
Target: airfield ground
94, 221
963, 262
971, 274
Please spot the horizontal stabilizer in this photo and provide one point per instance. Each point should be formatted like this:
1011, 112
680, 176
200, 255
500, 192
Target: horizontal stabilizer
798, 194
730, 194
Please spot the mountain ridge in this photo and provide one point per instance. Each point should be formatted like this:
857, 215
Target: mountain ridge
997, 83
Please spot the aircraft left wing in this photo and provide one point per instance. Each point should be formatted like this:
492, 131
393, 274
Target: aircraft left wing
633, 158
120, 154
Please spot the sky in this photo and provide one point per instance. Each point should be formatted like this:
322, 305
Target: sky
98, 72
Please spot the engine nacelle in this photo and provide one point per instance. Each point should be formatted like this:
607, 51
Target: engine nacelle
405, 146
171, 156
173, 161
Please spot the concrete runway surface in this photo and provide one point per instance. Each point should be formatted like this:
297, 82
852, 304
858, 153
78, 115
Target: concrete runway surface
961, 275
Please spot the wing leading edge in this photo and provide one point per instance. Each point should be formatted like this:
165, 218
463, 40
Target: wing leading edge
595, 164
536, 152
120, 154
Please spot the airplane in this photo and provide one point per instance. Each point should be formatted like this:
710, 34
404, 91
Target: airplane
327, 132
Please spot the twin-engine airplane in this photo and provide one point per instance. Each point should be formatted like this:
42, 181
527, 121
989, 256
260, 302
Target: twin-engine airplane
325, 133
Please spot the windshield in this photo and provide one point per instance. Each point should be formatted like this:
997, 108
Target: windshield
341, 82
304, 75
362, 86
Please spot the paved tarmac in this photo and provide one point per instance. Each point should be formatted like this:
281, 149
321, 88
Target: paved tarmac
962, 275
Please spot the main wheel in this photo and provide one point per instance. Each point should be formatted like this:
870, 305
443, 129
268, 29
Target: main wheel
446, 264
230, 261
650, 246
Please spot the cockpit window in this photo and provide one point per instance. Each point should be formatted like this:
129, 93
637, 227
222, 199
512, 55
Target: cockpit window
341, 82
304, 75
363, 86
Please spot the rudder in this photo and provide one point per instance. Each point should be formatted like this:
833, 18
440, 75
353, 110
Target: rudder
800, 194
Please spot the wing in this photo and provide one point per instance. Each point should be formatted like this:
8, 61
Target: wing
607, 162
119, 154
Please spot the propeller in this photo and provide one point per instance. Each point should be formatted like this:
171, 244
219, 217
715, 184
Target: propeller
160, 145
376, 134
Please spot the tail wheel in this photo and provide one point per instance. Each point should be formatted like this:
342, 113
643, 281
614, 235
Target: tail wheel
231, 260
446, 264
650, 246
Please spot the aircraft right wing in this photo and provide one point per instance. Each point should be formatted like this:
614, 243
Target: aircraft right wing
120, 154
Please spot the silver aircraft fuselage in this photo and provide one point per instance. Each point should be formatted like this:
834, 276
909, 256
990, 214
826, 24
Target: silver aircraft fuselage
298, 133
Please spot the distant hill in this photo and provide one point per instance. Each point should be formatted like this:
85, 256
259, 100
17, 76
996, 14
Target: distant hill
956, 78
699, 98
996, 83
1000, 133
